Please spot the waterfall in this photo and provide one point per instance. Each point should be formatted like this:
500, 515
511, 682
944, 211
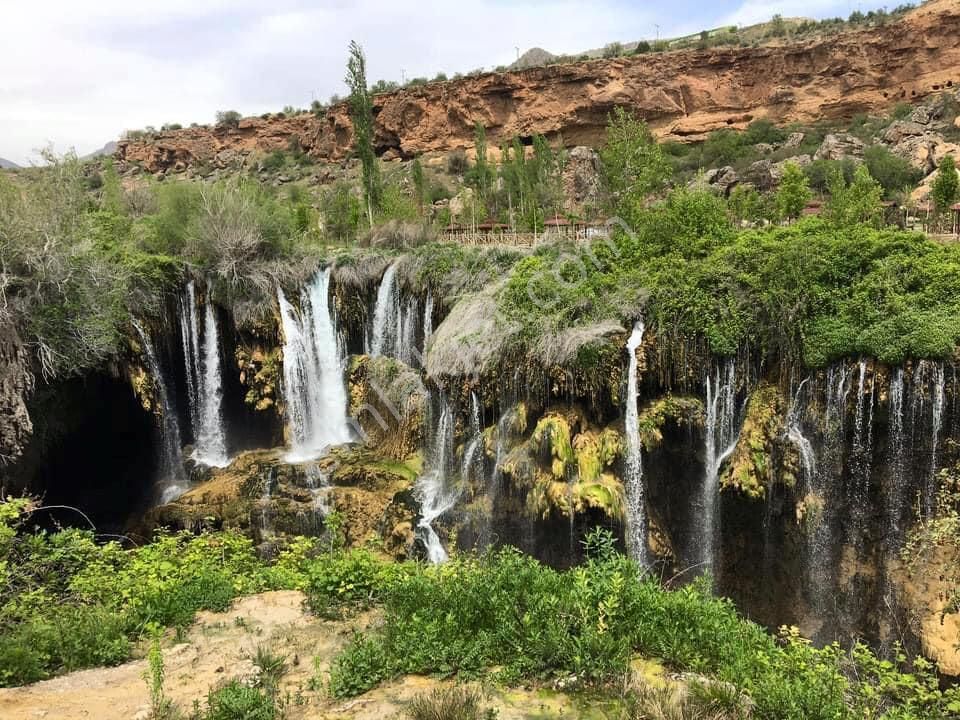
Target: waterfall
204, 381
407, 351
190, 338
314, 393
172, 481
427, 320
939, 400
808, 458
433, 487
898, 488
383, 340
721, 438
858, 495
470, 453
636, 535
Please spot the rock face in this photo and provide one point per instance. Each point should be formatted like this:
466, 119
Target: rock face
16, 382
839, 146
682, 95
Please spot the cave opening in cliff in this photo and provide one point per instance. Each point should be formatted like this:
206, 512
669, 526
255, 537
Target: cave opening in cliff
94, 449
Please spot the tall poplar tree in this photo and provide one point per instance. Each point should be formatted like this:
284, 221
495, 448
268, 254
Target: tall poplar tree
361, 115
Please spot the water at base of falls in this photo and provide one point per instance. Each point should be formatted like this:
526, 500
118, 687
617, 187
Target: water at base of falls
314, 391
636, 534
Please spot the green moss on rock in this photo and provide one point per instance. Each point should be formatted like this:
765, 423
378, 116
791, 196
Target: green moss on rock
654, 416
751, 467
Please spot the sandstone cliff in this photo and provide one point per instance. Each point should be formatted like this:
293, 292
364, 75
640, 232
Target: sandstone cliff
683, 95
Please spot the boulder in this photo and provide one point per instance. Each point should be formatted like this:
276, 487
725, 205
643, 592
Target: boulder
924, 151
925, 114
723, 180
764, 148
460, 202
794, 140
902, 129
837, 146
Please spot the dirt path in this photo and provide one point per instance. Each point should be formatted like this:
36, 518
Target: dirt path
219, 647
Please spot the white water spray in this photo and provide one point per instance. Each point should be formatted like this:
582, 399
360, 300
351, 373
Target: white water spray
433, 487
314, 391
386, 313
721, 439
636, 534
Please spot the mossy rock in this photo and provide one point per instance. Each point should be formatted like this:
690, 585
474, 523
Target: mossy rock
388, 401
260, 370
751, 466
654, 416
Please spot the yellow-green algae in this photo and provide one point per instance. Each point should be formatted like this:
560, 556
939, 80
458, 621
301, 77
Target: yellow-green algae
750, 469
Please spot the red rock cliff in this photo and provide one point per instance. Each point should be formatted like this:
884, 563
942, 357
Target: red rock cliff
683, 95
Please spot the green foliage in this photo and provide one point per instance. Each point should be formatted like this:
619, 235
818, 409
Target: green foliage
857, 202
419, 184
235, 701
481, 175
361, 115
341, 213
946, 187
819, 172
891, 171
505, 610
228, 118
633, 164
793, 193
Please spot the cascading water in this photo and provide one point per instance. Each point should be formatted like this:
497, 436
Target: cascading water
938, 402
204, 381
407, 351
383, 339
858, 495
897, 487
470, 456
636, 535
433, 488
427, 320
172, 480
820, 505
808, 458
314, 391
721, 439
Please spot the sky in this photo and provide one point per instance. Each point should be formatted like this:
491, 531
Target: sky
76, 74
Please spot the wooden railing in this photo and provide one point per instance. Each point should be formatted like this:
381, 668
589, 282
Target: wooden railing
518, 239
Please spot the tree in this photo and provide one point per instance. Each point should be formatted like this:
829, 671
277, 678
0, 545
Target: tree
946, 186
361, 115
228, 118
633, 164
858, 202
481, 174
891, 171
794, 192
419, 188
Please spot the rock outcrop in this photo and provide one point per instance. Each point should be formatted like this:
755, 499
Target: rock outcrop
683, 95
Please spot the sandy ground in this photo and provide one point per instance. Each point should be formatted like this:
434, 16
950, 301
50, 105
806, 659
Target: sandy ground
219, 647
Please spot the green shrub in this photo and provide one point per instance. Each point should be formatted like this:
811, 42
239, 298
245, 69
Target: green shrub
228, 118
238, 702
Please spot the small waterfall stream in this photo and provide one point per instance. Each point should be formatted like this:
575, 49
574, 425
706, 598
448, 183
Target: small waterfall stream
433, 488
172, 480
721, 439
427, 319
636, 531
314, 390
204, 380
383, 338
936, 428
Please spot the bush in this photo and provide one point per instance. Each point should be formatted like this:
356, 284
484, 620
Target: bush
457, 163
642, 48
456, 703
238, 702
892, 172
228, 118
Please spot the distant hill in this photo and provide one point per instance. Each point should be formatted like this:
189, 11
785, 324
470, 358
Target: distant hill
534, 57
8, 165
108, 149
